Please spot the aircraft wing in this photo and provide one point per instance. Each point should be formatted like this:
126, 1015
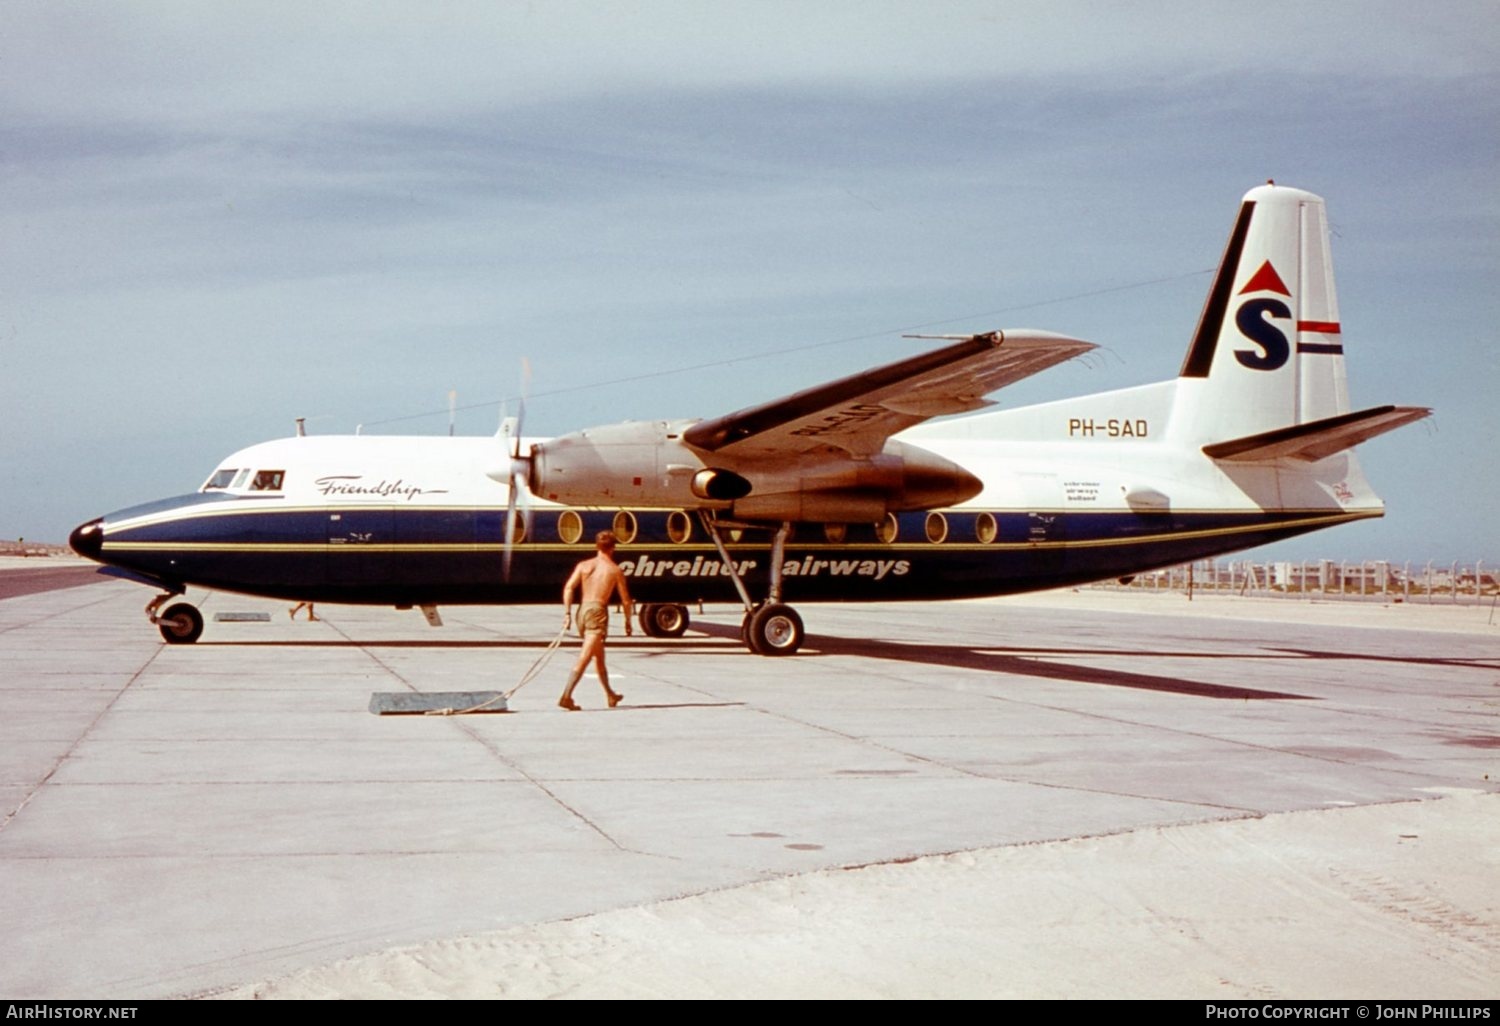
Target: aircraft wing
858, 413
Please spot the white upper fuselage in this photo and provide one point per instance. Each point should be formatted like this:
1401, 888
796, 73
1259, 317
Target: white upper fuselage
1105, 452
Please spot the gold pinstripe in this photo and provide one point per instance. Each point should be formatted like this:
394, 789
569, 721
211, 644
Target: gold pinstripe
703, 547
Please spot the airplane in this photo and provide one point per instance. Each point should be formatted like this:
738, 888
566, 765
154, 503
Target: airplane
847, 491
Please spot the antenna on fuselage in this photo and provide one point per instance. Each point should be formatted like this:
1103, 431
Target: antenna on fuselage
301, 427
452, 407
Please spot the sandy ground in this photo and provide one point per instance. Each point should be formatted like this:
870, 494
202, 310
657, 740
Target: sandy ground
1384, 901
1387, 901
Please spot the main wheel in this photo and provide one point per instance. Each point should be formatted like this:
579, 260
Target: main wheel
774, 629
647, 616
664, 620
181, 624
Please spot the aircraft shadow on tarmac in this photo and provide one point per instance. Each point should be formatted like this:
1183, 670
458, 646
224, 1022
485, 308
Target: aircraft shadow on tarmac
990, 658
1003, 661
1015, 660
1452, 661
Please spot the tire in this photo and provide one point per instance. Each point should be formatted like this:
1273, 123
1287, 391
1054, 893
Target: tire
647, 616
181, 624
774, 629
664, 620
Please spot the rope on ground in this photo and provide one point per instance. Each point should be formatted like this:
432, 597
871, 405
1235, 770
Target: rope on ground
526, 678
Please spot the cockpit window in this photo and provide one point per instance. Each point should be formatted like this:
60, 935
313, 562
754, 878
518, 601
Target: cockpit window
221, 479
239, 479
267, 481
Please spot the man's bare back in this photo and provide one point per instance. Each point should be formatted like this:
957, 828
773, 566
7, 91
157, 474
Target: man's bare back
597, 579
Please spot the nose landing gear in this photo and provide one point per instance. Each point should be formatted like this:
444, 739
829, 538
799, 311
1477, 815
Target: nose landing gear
181, 624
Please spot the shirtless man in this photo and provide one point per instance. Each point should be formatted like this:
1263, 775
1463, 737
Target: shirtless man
598, 578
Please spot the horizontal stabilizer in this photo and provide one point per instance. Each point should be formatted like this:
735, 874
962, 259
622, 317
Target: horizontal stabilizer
1317, 439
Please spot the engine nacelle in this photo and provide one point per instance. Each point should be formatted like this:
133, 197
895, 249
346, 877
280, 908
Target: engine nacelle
637, 463
646, 463
832, 487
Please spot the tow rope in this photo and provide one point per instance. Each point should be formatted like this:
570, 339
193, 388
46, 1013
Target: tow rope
460, 703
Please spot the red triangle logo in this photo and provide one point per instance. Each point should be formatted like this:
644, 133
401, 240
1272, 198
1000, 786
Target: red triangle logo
1266, 280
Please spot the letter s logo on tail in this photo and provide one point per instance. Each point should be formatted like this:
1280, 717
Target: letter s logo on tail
1275, 348
1250, 319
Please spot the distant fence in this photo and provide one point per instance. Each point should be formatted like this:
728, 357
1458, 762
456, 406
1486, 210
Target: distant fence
1377, 580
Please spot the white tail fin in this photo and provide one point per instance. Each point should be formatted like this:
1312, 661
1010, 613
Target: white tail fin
1264, 378
1263, 381
1268, 352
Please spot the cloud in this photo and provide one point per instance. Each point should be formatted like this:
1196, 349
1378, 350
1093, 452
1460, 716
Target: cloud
204, 64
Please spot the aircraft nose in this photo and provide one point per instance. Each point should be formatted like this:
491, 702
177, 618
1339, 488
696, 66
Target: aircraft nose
88, 539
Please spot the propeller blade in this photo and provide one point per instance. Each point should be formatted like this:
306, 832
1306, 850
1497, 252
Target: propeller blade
520, 472
510, 529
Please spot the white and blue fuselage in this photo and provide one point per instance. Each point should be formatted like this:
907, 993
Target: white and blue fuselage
849, 491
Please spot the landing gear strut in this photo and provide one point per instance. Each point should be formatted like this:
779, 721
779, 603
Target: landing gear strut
181, 624
770, 628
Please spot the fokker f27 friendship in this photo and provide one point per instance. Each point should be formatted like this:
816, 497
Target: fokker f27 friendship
844, 492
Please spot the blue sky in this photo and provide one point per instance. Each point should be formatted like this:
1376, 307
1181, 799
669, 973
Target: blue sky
217, 219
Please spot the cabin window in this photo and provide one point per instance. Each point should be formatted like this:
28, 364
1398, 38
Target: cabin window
518, 531
937, 528
569, 527
267, 481
887, 529
624, 526
985, 528
221, 479
835, 533
679, 526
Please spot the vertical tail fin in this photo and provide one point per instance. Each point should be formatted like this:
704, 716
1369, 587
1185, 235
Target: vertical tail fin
1268, 352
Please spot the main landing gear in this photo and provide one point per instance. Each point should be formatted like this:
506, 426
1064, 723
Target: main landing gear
770, 628
663, 619
180, 624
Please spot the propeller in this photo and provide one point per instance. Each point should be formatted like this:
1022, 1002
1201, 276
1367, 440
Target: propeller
517, 472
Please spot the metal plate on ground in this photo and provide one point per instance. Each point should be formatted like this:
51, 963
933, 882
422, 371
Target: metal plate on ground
451, 703
242, 618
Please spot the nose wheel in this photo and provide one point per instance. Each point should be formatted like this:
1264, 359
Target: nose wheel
181, 624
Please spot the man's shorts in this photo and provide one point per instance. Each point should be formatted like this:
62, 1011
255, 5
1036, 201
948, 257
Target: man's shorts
593, 618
